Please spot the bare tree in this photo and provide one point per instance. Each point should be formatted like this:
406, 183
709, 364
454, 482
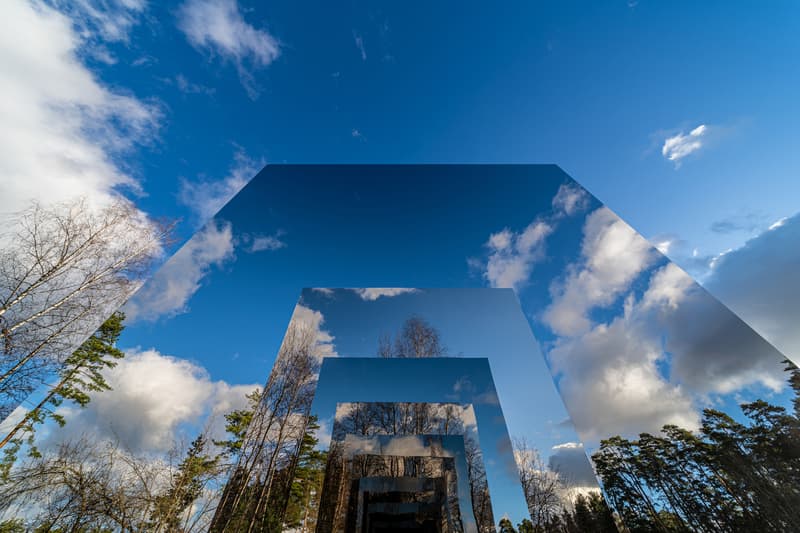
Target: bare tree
257, 492
416, 338
63, 269
81, 376
399, 418
91, 485
543, 488
479, 487
83, 484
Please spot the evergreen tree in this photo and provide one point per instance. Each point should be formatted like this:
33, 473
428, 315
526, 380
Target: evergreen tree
506, 526
526, 526
309, 475
12, 526
80, 375
186, 486
730, 476
237, 423
602, 519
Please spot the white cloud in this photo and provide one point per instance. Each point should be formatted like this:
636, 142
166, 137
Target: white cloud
570, 199
374, 293
668, 287
206, 197
712, 350
681, 145
259, 243
110, 20
153, 396
778, 223
144, 61
323, 290
61, 129
488, 397
682, 253
226, 397
218, 27
613, 255
500, 241
570, 461
266, 242
168, 292
759, 282
412, 446
468, 418
313, 320
611, 383
323, 434
465, 413
664, 245
670, 349
404, 445
187, 87
653, 364
512, 256
360, 45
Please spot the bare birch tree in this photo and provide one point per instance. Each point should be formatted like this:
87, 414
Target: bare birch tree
541, 486
257, 492
417, 338
256, 495
80, 376
81, 486
91, 485
63, 269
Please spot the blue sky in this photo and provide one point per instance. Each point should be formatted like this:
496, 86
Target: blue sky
596, 88
154, 101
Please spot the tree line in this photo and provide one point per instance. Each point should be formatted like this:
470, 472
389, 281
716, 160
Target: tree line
588, 513
90, 485
730, 476
86, 485
554, 505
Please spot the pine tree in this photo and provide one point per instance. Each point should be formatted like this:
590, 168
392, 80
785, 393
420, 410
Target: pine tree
237, 423
730, 476
526, 526
506, 526
308, 478
185, 487
12, 526
80, 375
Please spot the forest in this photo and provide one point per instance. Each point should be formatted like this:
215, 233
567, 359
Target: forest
730, 476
